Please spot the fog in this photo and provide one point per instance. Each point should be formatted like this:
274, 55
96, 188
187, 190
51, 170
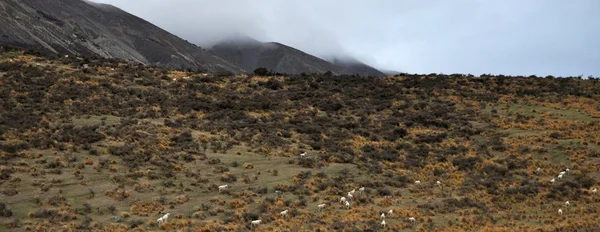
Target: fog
512, 37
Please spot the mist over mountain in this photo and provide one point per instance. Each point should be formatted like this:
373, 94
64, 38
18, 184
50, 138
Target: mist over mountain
249, 54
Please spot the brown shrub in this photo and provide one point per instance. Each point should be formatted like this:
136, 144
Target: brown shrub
146, 208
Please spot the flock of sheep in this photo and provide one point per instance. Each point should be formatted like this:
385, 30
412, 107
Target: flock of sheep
560, 176
350, 196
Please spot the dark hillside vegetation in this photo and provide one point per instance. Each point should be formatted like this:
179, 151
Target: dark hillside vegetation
114, 146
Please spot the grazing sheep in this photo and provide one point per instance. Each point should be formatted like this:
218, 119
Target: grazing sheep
382, 216
159, 220
350, 197
256, 222
567, 170
320, 207
562, 173
538, 170
383, 223
412, 220
567, 203
222, 187
560, 177
283, 213
560, 212
361, 190
418, 182
594, 191
347, 204
342, 200
302, 155
552, 181
165, 217
390, 212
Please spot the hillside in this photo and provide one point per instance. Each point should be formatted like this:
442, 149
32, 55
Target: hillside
356, 67
113, 147
91, 29
251, 54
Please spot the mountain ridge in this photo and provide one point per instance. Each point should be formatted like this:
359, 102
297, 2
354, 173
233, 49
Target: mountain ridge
249, 54
94, 29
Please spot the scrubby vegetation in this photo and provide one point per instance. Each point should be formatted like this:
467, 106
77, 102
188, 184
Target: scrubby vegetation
114, 146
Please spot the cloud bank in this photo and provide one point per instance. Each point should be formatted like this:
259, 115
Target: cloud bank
512, 37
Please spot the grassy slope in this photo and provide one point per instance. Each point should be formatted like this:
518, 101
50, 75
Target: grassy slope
347, 126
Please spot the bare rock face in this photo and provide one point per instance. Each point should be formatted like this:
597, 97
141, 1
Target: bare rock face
91, 29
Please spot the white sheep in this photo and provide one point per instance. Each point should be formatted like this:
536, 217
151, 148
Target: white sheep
412, 220
562, 173
594, 191
390, 212
283, 213
567, 170
560, 177
222, 187
560, 212
347, 204
303, 154
382, 216
350, 197
159, 220
567, 203
342, 200
417, 182
552, 181
320, 207
165, 217
352, 192
538, 170
361, 190
383, 223
256, 222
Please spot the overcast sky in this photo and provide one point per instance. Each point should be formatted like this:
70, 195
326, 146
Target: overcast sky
514, 37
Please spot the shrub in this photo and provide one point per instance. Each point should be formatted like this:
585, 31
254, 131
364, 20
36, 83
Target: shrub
466, 163
249, 216
228, 178
261, 71
213, 161
4, 211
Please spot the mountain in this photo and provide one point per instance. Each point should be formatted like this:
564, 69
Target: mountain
250, 54
91, 29
356, 67
390, 72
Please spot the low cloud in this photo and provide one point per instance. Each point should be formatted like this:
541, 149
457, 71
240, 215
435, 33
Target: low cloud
536, 37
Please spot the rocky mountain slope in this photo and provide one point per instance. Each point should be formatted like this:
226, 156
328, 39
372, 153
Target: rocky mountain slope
91, 29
